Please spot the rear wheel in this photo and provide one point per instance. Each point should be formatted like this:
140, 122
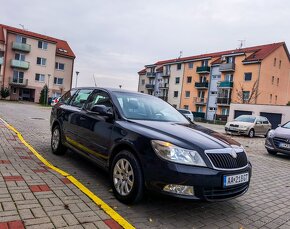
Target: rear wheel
56, 144
126, 178
271, 152
251, 133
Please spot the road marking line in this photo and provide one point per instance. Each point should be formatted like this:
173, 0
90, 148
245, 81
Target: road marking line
106, 208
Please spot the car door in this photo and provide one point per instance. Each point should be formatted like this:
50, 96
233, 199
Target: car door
96, 129
73, 118
266, 124
259, 129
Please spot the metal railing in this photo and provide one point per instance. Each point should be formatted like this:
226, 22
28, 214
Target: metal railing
21, 46
227, 67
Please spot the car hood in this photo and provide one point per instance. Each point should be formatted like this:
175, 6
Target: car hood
192, 135
282, 132
240, 123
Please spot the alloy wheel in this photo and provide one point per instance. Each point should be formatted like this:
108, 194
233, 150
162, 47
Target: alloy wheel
55, 139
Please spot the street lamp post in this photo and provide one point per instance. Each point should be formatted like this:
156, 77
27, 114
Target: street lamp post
77, 73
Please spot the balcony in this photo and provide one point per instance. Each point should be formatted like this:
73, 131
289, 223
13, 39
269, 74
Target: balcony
226, 84
166, 74
201, 85
200, 115
163, 86
150, 86
203, 69
163, 97
223, 101
18, 82
200, 101
1, 60
228, 67
21, 47
150, 74
19, 64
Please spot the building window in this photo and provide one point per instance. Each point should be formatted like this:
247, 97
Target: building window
229, 77
246, 95
270, 98
273, 79
178, 66
204, 63
59, 66
213, 92
39, 77
225, 111
142, 82
212, 108
280, 63
18, 77
20, 39
177, 80
20, 56
175, 94
14, 90
185, 107
187, 94
275, 61
174, 105
42, 45
190, 65
230, 59
199, 108
276, 97
248, 76
41, 61
189, 79
278, 81
58, 81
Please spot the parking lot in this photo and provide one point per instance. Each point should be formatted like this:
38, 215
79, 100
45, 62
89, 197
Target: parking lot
265, 205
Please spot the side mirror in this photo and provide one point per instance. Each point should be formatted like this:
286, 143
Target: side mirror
102, 110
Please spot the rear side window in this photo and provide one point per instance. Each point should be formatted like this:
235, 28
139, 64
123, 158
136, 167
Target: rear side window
80, 99
265, 120
67, 96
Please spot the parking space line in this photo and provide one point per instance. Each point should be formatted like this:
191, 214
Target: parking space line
98, 201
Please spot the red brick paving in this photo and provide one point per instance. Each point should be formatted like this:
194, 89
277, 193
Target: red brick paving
112, 224
26, 157
5, 162
12, 225
65, 181
39, 188
40, 170
13, 178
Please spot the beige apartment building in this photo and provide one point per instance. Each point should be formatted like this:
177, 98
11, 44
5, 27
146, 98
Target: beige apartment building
30, 60
207, 84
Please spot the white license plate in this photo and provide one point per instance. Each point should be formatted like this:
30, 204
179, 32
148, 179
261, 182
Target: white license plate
236, 179
232, 128
284, 145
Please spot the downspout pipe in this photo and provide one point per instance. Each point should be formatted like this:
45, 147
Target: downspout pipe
259, 75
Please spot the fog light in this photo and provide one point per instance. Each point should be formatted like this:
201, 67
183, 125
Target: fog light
179, 189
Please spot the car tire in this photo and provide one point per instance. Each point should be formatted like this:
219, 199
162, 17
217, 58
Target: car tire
57, 146
266, 133
251, 133
127, 178
271, 152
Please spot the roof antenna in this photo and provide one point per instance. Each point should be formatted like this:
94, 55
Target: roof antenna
94, 80
242, 43
180, 54
22, 26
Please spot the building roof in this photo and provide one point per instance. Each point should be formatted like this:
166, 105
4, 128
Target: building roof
62, 47
142, 72
258, 53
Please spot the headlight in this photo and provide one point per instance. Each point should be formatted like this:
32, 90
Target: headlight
271, 134
177, 154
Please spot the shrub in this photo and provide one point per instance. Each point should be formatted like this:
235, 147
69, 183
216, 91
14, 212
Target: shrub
43, 95
5, 92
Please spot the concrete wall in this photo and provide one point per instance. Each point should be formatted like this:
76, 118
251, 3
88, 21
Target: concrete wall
256, 109
173, 86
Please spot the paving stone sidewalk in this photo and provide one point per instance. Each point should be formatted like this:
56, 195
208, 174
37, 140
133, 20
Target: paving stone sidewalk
34, 196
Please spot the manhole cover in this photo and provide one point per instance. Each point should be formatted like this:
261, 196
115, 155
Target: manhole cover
38, 118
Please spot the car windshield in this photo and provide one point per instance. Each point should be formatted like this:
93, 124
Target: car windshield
144, 107
286, 125
246, 118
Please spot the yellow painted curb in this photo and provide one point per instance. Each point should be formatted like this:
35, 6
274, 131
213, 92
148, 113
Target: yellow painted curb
106, 208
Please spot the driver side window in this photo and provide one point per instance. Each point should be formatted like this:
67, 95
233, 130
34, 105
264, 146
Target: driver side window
99, 98
80, 99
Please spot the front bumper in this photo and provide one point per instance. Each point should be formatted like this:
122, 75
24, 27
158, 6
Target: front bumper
207, 182
270, 145
241, 131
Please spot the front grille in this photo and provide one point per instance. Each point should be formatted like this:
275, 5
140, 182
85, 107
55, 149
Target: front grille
227, 161
234, 125
277, 142
224, 193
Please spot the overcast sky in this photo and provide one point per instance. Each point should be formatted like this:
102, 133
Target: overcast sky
113, 40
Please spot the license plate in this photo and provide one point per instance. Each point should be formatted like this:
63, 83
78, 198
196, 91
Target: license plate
236, 179
232, 128
284, 145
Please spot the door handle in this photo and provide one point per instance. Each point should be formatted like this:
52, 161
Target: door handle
82, 118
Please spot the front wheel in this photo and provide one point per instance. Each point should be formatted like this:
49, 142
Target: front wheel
126, 178
251, 133
56, 144
271, 152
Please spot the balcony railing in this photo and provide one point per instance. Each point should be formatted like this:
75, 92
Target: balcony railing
201, 85
223, 101
21, 47
200, 101
203, 69
164, 97
150, 74
166, 74
163, 85
18, 81
150, 86
1, 60
226, 84
227, 67
19, 64
198, 115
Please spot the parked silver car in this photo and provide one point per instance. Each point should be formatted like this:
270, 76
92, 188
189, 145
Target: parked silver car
249, 125
187, 113
278, 140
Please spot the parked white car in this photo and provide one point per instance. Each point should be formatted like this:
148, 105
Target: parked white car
187, 113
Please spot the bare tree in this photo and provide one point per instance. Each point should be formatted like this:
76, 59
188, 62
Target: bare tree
252, 96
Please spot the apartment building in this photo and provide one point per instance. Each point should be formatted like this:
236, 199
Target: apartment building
30, 60
210, 82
